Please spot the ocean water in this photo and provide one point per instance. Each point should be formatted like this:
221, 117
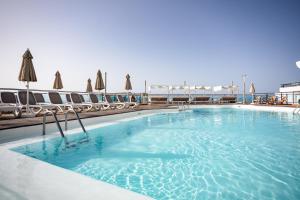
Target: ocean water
199, 154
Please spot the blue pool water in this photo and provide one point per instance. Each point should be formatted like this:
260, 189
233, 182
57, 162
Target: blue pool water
204, 154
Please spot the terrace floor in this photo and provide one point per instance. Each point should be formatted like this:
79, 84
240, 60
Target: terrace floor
7, 121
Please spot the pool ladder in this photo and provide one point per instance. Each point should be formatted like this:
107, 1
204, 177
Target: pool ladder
297, 110
54, 114
182, 106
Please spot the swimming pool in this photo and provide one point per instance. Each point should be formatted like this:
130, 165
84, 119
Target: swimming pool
208, 153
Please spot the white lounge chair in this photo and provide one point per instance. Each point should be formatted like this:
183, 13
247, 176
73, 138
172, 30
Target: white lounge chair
96, 103
78, 102
55, 99
127, 104
8, 103
113, 105
34, 107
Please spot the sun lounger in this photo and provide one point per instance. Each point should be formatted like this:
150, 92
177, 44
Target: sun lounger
127, 104
75, 106
55, 99
68, 97
227, 99
200, 100
272, 100
112, 104
97, 104
133, 99
180, 100
283, 100
82, 98
34, 107
76, 101
40, 99
158, 100
8, 103
257, 100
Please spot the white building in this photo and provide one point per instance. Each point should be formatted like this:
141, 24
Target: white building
291, 91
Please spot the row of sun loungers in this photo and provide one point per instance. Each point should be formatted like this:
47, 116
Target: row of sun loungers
271, 100
195, 100
16, 103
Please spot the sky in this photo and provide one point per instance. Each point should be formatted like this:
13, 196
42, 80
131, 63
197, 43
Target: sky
202, 42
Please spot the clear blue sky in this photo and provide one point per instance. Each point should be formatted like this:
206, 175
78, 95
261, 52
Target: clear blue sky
205, 42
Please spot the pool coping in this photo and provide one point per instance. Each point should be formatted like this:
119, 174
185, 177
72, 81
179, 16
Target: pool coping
23, 177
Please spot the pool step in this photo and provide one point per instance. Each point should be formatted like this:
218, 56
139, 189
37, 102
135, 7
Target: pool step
182, 107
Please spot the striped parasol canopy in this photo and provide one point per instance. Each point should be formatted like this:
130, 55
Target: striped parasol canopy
27, 72
89, 87
99, 81
57, 81
128, 85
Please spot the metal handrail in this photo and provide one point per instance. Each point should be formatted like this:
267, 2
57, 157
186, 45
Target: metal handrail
56, 120
54, 114
78, 118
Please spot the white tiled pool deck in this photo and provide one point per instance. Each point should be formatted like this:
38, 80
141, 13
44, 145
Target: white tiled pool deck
23, 177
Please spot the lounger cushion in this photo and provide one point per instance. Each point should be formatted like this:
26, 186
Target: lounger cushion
201, 98
94, 98
82, 98
8, 97
121, 99
39, 97
68, 97
23, 98
133, 98
55, 98
228, 99
158, 99
76, 98
108, 99
185, 99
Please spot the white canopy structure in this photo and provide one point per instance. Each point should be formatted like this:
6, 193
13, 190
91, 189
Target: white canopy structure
160, 87
178, 87
187, 89
232, 88
200, 87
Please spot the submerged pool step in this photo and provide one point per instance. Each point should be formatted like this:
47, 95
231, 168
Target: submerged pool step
75, 143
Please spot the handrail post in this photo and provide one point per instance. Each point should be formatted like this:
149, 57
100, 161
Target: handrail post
66, 121
293, 97
44, 124
80, 122
58, 125
56, 120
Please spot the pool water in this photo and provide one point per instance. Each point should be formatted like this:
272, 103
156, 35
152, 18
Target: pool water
203, 154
